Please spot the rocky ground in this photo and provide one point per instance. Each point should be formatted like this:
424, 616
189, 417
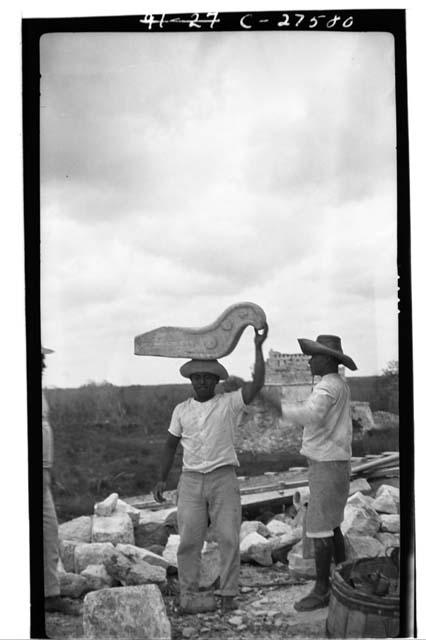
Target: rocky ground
265, 609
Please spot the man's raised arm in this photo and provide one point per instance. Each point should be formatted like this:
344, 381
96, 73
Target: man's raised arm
250, 389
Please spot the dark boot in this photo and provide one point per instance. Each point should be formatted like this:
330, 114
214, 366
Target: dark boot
320, 594
339, 552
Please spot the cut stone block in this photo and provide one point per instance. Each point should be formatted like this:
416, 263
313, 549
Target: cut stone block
146, 516
387, 500
360, 500
388, 539
136, 613
132, 512
390, 522
286, 540
86, 554
131, 571
254, 526
97, 577
388, 488
359, 484
115, 528
131, 551
107, 506
76, 529
363, 547
255, 548
72, 585
360, 520
213, 341
66, 552
150, 533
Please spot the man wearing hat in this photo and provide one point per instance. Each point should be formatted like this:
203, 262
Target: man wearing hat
208, 487
327, 444
52, 598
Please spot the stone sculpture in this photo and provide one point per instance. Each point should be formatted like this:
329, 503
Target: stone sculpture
214, 341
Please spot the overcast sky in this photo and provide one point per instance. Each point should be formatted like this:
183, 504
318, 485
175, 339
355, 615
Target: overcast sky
182, 173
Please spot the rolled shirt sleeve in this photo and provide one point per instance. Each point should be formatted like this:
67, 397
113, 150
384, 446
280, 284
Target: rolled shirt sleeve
175, 427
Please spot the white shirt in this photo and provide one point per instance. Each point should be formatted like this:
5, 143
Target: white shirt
326, 418
207, 431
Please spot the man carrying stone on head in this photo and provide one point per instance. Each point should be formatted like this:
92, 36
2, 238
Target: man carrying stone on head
208, 487
327, 444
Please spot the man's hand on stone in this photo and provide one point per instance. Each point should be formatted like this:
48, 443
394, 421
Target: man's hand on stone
158, 490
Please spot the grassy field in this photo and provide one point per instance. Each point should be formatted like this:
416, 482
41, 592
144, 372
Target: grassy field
109, 439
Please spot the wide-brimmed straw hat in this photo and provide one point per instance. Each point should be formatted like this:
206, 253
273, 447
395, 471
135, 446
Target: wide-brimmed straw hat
329, 346
204, 366
45, 351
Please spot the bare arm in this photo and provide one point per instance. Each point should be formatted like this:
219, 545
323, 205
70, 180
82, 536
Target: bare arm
250, 389
166, 464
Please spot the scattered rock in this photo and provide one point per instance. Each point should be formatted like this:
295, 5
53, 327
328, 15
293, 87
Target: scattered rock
170, 551
137, 553
107, 506
360, 520
389, 522
388, 539
126, 612
66, 553
97, 577
132, 571
363, 547
286, 540
236, 621
159, 516
115, 528
386, 500
77, 529
150, 533
188, 632
358, 499
278, 528
132, 512
388, 488
210, 564
72, 585
359, 485
253, 526
91, 553
254, 547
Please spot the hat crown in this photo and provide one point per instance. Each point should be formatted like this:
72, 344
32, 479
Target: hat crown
331, 342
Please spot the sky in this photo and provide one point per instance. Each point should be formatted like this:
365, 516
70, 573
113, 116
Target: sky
183, 173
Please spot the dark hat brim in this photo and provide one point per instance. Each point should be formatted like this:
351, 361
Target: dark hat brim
311, 348
204, 366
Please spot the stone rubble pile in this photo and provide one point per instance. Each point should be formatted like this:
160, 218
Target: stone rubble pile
123, 558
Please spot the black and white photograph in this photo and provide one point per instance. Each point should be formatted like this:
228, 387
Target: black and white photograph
218, 292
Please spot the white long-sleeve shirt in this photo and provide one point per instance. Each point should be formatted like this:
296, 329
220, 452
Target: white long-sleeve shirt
326, 418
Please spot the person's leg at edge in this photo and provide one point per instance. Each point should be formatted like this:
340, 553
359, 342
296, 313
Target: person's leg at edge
339, 552
192, 525
319, 596
225, 514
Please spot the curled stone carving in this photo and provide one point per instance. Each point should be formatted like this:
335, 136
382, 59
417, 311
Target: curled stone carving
215, 340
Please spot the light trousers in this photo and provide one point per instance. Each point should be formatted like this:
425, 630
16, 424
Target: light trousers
50, 540
214, 495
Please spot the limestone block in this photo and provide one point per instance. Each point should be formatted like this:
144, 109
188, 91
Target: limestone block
388, 539
389, 489
97, 577
107, 506
254, 526
213, 341
298, 565
390, 522
363, 547
124, 507
387, 500
88, 553
131, 571
72, 585
359, 485
171, 549
255, 547
150, 533
76, 529
146, 516
135, 613
66, 553
288, 539
115, 528
360, 500
360, 520
278, 528
131, 551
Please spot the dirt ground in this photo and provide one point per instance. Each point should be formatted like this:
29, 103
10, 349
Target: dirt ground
265, 610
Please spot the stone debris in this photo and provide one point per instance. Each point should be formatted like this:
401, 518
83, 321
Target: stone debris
132, 512
253, 526
360, 520
107, 506
132, 551
389, 522
277, 528
115, 528
88, 553
254, 547
126, 612
66, 554
72, 585
77, 529
130, 571
359, 485
388, 539
97, 577
363, 547
151, 533
387, 500
358, 499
